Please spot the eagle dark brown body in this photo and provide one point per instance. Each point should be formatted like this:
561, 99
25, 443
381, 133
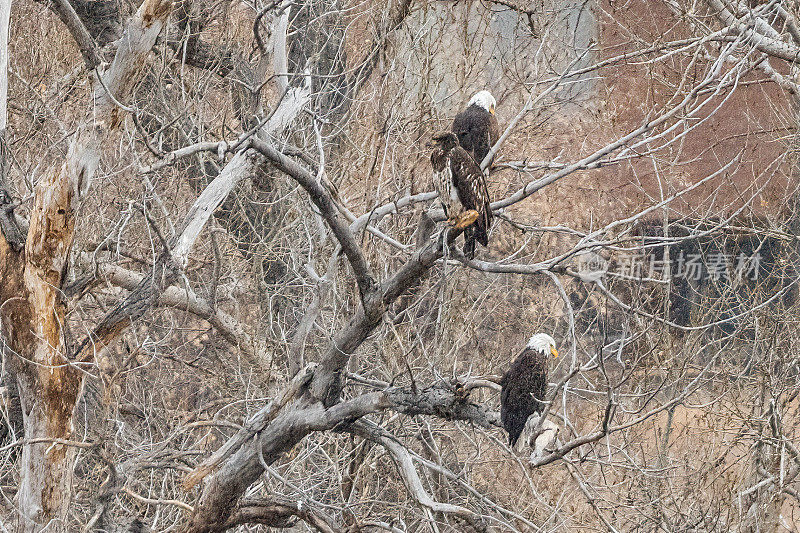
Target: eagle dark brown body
461, 186
525, 384
477, 131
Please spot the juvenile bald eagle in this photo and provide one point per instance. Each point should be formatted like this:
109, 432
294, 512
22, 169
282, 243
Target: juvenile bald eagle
461, 187
476, 126
525, 384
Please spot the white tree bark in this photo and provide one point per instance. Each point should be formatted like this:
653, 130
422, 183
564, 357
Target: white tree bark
280, 52
49, 383
5, 19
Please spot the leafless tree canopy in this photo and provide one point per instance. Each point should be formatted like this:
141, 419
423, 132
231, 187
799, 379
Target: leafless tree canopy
229, 299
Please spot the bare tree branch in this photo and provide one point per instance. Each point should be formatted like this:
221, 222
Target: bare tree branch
178, 298
322, 199
409, 474
280, 513
86, 44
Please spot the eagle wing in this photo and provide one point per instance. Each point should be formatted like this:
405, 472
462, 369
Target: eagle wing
473, 194
523, 388
477, 131
493, 134
443, 181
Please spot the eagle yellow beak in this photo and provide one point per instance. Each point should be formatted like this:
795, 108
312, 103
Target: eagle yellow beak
553, 351
491, 110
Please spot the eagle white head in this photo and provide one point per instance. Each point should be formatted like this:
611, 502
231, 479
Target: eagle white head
543, 343
485, 100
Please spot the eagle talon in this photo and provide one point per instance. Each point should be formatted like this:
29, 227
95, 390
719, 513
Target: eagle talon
467, 218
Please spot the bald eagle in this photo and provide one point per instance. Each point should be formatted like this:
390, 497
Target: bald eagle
462, 187
476, 126
525, 384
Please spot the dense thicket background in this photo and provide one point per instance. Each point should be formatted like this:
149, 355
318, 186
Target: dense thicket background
642, 132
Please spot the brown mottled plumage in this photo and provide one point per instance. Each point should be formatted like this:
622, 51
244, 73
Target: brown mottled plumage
525, 384
461, 186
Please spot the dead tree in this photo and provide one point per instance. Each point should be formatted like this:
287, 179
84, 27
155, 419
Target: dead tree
48, 373
50, 362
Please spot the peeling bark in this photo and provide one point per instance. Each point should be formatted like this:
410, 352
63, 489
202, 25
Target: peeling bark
48, 384
32, 311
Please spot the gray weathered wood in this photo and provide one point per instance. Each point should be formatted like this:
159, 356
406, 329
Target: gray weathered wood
32, 312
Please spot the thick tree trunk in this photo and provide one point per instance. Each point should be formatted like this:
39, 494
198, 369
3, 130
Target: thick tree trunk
5, 15
48, 385
31, 323
32, 312
296, 420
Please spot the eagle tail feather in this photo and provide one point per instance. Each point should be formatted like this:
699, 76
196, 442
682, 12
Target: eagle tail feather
482, 226
481, 234
469, 242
